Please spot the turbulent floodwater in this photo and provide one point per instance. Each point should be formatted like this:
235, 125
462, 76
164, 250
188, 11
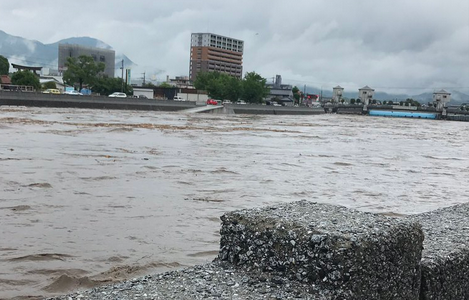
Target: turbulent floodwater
93, 196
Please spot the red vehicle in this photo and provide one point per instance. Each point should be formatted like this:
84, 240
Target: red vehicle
212, 102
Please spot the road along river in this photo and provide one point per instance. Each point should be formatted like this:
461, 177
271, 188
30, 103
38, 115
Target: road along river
93, 196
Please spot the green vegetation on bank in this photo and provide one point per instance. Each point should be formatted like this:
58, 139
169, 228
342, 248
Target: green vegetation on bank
26, 77
83, 70
4, 65
49, 85
252, 88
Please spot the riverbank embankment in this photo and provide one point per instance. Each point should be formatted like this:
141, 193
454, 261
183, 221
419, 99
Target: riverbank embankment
307, 250
101, 102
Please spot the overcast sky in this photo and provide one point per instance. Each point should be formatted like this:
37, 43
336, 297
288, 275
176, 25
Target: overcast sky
391, 45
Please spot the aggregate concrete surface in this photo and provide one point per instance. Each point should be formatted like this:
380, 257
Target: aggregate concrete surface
445, 256
301, 250
211, 281
367, 255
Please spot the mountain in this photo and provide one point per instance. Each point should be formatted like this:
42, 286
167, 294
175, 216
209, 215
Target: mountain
34, 53
456, 98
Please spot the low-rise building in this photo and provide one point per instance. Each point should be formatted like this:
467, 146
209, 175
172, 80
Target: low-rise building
337, 93
365, 94
58, 80
182, 82
280, 92
440, 99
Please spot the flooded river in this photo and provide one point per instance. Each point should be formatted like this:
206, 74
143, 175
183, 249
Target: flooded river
94, 196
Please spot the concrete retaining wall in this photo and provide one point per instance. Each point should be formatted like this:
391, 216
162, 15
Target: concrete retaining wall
50, 100
445, 256
272, 110
355, 254
306, 250
352, 110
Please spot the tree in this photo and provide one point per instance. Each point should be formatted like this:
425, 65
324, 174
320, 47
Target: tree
295, 90
219, 85
204, 80
233, 87
359, 101
26, 77
49, 85
254, 88
223, 86
107, 86
352, 101
82, 70
148, 84
165, 85
4, 65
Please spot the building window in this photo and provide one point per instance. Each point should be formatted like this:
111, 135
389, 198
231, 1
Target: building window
94, 57
102, 58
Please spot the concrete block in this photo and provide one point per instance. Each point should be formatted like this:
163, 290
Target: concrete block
445, 256
359, 255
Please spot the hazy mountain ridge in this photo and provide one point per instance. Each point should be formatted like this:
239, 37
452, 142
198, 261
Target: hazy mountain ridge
456, 96
34, 53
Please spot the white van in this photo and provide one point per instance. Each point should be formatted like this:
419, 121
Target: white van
178, 98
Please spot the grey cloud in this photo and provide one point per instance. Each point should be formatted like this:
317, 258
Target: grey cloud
390, 44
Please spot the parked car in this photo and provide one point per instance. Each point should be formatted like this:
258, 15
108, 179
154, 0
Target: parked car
73, 93
178, 98
142, 97
240, 102
226, 102
51, 91
212, 102
118, 95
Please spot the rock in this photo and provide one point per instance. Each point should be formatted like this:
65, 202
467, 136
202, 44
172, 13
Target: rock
301, 250
445, 256
367, 255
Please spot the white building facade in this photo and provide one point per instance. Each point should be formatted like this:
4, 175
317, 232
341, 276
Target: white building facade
440, 99
337, 93
365, 94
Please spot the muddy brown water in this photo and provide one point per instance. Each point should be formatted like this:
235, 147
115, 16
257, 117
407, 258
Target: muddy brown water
89, 197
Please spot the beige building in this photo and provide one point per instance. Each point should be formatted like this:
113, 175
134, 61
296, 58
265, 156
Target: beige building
365, 94
337, 93
440, 99
211, 52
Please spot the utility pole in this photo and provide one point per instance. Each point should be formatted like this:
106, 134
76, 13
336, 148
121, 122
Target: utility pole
143, 78
122, 68
304, 93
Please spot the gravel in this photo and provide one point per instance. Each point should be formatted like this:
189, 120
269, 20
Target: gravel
211, 281
445, 257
